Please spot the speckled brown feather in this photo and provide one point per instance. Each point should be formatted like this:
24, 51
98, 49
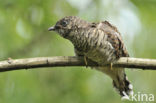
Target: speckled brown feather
114, 37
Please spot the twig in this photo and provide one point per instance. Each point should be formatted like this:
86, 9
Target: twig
30, 63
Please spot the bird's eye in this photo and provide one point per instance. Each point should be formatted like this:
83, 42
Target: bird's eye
64, 23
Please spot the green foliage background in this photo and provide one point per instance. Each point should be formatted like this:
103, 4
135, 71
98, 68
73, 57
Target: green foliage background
23, 33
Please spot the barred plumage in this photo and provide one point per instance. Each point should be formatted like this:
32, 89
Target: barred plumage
100, 42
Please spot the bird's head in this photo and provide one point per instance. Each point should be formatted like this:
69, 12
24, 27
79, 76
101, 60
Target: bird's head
65, 25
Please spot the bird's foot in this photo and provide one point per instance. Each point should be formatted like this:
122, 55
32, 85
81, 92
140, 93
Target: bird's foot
85, 60
9, 60
111, 66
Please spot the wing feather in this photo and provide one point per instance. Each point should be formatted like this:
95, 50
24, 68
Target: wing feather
114, 37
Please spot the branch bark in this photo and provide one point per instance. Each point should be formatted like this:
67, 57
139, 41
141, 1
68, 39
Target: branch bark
30, 63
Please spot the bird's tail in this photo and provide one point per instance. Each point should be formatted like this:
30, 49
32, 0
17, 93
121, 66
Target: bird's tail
124, 87
120, 81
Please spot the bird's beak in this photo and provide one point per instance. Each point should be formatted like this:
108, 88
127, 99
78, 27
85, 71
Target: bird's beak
51, 28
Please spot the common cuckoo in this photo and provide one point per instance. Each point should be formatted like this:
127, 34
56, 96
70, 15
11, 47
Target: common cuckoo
100, 42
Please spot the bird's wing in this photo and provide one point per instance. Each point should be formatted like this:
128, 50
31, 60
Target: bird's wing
114, 37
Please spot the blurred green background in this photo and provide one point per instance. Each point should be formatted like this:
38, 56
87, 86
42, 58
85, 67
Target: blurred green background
24, 34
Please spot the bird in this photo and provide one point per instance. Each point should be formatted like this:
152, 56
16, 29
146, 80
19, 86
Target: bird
100, 42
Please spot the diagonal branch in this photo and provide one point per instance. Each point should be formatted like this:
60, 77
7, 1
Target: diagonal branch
30, 63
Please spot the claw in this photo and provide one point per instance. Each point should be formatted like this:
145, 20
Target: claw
9, 60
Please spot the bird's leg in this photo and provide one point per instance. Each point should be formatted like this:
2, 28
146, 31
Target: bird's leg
111, 66
85, 60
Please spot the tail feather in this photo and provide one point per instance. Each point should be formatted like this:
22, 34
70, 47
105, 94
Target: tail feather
120, 81
124, 88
